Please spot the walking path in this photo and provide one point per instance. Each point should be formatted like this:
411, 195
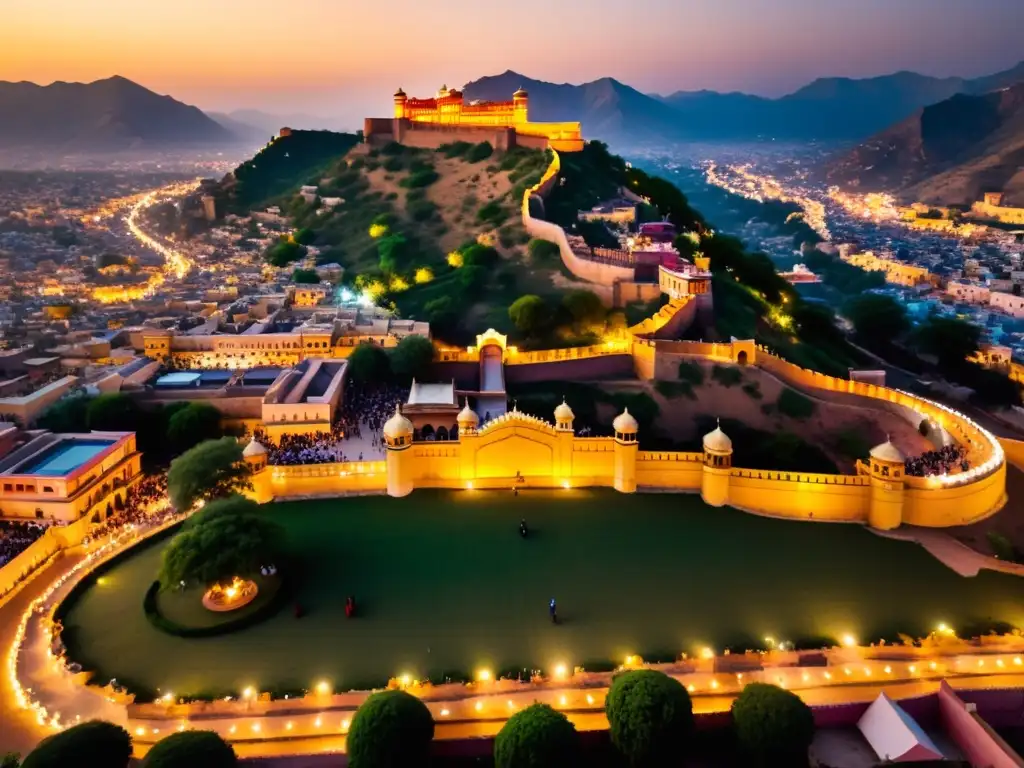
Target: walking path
961, 558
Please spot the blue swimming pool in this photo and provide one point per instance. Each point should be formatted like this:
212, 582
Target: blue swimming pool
64, 457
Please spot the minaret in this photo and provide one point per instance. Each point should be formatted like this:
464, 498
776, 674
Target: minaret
564, 417
887, 472
255, 456
400, 102
626, 446
521, 107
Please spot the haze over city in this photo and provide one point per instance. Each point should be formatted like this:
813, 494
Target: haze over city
341, 58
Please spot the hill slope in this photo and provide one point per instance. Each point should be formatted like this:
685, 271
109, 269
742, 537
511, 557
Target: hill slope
946, 153
103, 115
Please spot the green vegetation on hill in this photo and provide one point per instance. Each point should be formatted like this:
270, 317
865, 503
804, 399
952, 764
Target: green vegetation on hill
285, 164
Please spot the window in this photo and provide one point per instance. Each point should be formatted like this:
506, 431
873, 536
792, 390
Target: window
19, 487
47, 489
8, 487
39, 513
30, 488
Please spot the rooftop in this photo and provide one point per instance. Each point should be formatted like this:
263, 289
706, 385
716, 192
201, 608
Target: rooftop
432, 394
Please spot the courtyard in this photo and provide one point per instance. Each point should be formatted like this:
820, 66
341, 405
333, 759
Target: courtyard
445, 585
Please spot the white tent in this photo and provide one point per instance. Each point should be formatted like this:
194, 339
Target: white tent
895, 735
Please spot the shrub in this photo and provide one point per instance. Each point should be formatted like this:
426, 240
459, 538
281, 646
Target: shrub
726, 375
421, 178
479, 152
691, 373
753, 389
791, 403
773, 726
650, 717
1002, 547
95, 743
191, 749
538, 737
543, 253
529, 313
491, 213
671, 389
392, 729
421, 210
455, 149
393, 164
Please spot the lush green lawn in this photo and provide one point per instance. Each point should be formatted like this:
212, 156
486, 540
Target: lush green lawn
444, 582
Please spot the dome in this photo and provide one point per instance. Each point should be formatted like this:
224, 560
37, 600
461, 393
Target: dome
254, 448
399, 93
467, 417
397, 426
624, 422
563, 412
887, 452
520, 94
717, 441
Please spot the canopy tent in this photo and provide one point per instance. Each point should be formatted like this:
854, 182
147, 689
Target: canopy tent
895, 735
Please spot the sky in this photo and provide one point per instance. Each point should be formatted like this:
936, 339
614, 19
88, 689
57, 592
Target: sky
344, 58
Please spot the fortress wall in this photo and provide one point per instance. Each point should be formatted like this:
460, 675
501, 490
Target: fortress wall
669, 321
669, 469
433, 135
582, 369
625, 292
933, 507
593, 459
835, 498
291, 482
437, 465
644, 359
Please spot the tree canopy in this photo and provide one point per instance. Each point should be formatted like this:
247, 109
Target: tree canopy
949, 339
212, 469
538, 737
369, 363
773, 726
113, 412
220, 545
529, 313
877, 317
412, 357
650, 717
95, 743
192, 425
585, 307
390, 728
191, 749
69, 414
305, 276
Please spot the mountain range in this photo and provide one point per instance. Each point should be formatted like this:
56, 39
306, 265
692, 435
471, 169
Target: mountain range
103, 115
830, 109
947, 153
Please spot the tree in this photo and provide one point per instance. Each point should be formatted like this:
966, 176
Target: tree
472, 277
529, 313
304, 236
951, 340
66, 415
193, 424
230, 506
191, 749
113, 412
284, 252
369, 363
391, 728
876, 318
227, 543
394, 252
307, 276
95, 743
412, 357
210, 470
650, 717
585, 307
772, 725
538, 737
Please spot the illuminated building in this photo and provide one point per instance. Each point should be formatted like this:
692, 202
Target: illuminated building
896, 272
448, 117
991, 207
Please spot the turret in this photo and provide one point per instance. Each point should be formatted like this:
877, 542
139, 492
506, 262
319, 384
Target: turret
400, 102
398, 440
714, 488
467, 420
255, 457
521, 106
564, 417
626, 447
887, 473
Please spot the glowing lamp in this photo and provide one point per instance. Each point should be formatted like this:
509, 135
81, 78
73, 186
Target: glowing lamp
483, 675
478, 706
849, 640
444, 713
561, 671
322, 688
345, 724
707, 653
405, 680
565, 484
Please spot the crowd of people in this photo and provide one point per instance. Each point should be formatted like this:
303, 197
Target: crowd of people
146, 500
944, 461
16, 537
314, 448
368, 407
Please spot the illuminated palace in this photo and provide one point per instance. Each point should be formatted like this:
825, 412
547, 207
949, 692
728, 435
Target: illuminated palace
448, 117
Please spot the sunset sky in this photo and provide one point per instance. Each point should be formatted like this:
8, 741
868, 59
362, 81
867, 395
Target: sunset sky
344, 58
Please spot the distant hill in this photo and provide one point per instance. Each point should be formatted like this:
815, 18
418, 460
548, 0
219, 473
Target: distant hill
111, 114
608, 109
946, 153
270, 123
827, 109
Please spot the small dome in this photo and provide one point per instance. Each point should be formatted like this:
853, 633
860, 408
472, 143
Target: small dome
624, 422
563, 412
887, 452
717, 441
397, 426
467, 417
254, 448
399, 93
520, 94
